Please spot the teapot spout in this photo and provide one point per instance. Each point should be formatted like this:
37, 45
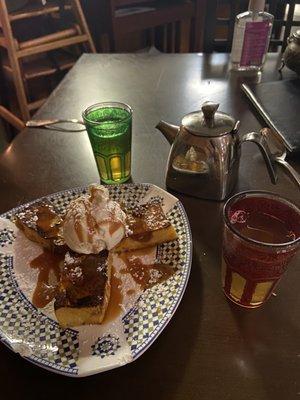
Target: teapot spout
168, 130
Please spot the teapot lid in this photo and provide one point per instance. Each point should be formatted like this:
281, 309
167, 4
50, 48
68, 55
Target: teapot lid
209, 122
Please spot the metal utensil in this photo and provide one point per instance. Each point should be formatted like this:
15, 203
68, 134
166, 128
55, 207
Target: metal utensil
51, 124
278, 151
263, 113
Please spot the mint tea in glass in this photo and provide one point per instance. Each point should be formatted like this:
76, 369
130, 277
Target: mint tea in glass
109, 126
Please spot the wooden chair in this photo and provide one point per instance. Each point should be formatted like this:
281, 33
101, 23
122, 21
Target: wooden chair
284, 13
168, 25
220, 17
11, 119
22, 63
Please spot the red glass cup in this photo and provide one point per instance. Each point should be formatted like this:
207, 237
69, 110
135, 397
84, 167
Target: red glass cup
252, 267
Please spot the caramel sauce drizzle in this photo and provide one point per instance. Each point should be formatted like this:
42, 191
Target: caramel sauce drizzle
146, 218
114, 226
116, 297
78, 230
146, 275
45, 263
48, 221
142, 237
91, 226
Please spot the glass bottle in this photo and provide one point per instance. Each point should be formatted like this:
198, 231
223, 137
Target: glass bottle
251, 37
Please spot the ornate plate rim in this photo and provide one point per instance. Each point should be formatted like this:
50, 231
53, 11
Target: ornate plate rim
172, 310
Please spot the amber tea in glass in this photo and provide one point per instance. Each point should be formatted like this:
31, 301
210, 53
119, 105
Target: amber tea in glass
261, 235
109, 127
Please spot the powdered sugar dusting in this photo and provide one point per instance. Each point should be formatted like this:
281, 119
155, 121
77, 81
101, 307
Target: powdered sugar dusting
155, 275
77, 271
69, 259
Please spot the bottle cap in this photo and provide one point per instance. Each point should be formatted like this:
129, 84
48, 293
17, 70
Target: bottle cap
257, 5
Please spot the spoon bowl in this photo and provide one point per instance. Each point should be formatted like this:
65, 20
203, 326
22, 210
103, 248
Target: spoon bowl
279, 152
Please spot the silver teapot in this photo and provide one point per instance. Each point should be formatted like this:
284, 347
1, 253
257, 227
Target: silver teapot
205, 153
291, 55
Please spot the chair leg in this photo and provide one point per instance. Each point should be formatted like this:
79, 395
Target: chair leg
199, 22
11, 118
184, 36
14, 62
152, 37
105, 43
289, 23
210, 25
19, 85
172, 37
83, 24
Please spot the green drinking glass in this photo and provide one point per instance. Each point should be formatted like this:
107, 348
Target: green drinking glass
109, 126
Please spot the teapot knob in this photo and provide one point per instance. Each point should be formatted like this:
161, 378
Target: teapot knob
209, 108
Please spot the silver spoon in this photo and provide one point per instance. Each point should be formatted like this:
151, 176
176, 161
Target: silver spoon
51, 124
278, 151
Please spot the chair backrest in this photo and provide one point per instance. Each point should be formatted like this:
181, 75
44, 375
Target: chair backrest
114, 5
121, 3
220, 18
165, 25
286, 18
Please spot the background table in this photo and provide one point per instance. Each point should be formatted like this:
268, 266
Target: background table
211, 349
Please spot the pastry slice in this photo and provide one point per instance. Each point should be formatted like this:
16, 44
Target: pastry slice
41, 224
147, 226
84, 289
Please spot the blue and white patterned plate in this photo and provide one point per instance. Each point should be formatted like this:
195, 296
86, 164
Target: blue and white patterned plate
86, 350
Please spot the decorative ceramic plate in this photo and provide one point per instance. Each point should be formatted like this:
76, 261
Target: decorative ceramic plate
86, 350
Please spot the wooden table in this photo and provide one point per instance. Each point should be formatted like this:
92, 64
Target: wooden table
211, 349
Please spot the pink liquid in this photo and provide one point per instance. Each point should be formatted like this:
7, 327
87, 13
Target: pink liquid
262, 227
251, 270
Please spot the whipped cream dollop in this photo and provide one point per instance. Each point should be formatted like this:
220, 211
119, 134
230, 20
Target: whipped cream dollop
93, 222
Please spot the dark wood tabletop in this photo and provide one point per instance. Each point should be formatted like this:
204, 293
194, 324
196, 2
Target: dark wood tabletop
211, 349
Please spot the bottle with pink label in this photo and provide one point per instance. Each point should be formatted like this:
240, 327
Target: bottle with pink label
251, 37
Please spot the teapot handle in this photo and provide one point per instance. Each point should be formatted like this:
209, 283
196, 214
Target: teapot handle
262, 144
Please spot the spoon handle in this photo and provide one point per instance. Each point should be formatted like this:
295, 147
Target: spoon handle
39, 123
291, 170
263, 113
53, 124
